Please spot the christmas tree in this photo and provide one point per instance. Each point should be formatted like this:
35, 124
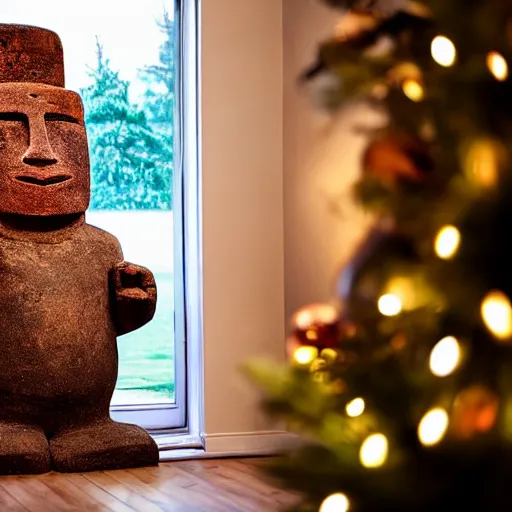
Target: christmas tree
401, 389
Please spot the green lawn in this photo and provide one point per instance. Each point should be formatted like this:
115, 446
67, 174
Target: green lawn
146, 356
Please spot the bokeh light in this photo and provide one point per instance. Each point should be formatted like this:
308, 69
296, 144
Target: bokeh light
390, 305
447, 242
483, 160
374, 451
314, 314
433, 427
445, 357
337, 502
413, 90
497, 66
497, 314
355, 407
443, 51
305, 355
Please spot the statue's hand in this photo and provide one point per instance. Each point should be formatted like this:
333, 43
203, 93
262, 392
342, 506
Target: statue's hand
135, 296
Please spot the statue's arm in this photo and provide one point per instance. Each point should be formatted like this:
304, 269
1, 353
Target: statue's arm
134, 296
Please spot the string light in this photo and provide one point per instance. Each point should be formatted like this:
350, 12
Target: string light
355, 407
483, 160
445, 357
329, 355
497, 314
374, 451
447, 242
405, 289
497, 66
317, 365
433, 427
311, 335
443, 51
413, 90
305, 355
335, 503
390, 305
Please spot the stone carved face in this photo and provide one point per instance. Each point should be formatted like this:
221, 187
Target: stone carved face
44, 158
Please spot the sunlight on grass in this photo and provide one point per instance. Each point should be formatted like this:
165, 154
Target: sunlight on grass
146, 356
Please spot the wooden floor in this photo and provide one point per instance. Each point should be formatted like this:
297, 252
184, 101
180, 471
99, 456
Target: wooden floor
208, 485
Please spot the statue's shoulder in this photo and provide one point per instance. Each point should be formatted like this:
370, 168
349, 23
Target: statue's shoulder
100, 237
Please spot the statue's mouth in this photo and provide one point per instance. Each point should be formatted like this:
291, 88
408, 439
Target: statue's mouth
43, 182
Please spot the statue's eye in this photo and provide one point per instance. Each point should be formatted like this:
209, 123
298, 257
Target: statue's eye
61, 117
13, 116
10, 121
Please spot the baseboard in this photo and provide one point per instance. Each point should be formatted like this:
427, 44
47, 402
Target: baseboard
236, 444
248, 443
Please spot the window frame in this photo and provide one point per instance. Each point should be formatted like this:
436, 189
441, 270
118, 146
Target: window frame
191, 436
180, 424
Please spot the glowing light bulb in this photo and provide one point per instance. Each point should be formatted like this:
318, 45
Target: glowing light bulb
305, 355
483, 160
390, 305
413, 90
447, 242
311, 335
355, 407
405, 289
497, 314
433, 427
317, 365
445, 357
374, 451
443, 51
335, 503
329, 354
497, 66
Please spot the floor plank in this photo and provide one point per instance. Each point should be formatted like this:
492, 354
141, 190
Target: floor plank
109, 501
229, 485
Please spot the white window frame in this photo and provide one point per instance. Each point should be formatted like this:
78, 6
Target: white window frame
190, 439
179, 425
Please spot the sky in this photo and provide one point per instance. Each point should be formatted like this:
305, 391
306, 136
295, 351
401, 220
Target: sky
126, 28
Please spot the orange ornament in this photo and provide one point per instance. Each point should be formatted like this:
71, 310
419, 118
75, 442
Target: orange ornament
395, 158
353, 24
475, 411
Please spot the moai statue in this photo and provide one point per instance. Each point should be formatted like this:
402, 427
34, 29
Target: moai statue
65, 292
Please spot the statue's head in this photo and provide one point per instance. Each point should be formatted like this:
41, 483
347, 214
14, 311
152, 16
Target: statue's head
44, 158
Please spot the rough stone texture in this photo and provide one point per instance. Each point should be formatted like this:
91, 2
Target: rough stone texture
65, 291
30, 54
43, 151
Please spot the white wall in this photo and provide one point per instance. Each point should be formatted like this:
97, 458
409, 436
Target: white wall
242, 161
273, 167
321, 161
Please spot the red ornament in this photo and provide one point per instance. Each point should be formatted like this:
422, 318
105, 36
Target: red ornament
317, 325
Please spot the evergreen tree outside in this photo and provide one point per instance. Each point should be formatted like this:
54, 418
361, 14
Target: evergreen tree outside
131, 150
401, 389
131, 163
160, 78
159, 97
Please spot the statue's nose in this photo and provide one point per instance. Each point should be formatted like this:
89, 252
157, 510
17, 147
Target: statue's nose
39, 158
39, 152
